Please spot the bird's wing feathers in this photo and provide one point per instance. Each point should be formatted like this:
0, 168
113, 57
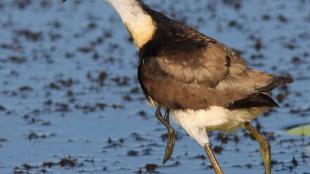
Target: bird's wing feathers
201, 65
201, 77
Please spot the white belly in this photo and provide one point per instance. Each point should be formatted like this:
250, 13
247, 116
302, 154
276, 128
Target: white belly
198, 122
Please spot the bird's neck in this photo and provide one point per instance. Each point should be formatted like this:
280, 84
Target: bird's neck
138, 22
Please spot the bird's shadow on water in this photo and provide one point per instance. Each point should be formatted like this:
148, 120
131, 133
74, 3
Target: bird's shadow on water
70, 100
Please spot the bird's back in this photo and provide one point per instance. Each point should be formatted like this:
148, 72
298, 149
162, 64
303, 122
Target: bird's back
180, 68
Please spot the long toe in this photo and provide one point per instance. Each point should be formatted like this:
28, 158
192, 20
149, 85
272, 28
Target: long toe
170, 146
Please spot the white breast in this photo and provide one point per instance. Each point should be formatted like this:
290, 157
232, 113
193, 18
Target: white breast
197, 123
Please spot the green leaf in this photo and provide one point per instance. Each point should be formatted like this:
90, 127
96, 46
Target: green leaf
300, 130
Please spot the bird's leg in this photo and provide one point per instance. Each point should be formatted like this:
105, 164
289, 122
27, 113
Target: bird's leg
265, 147
166, 116
216, 167
171, 133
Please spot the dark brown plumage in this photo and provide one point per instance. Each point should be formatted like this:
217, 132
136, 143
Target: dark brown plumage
181, 68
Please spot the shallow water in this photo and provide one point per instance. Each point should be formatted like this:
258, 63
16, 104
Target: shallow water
70, 100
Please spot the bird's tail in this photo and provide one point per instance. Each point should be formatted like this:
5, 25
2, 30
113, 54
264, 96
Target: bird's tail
277, 81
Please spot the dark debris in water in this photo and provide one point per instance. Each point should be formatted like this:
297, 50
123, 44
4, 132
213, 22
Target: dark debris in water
73, 60
114, 143
31, 118
35, 135
66, 162
2, 108
148, 169
2, 141
151, 168
132, 153
30, 35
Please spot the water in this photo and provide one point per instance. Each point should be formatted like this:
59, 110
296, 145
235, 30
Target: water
70, 100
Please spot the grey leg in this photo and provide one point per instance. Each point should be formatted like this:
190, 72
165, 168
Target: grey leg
171, 133
265, 147
216, 167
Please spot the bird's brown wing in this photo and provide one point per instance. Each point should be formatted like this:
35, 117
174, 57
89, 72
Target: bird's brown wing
199, 77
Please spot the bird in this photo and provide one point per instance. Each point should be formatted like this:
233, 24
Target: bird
200, 83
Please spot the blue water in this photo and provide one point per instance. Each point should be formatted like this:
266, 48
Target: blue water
54, 106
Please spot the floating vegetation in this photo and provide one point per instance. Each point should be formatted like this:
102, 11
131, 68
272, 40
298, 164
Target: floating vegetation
299, 130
